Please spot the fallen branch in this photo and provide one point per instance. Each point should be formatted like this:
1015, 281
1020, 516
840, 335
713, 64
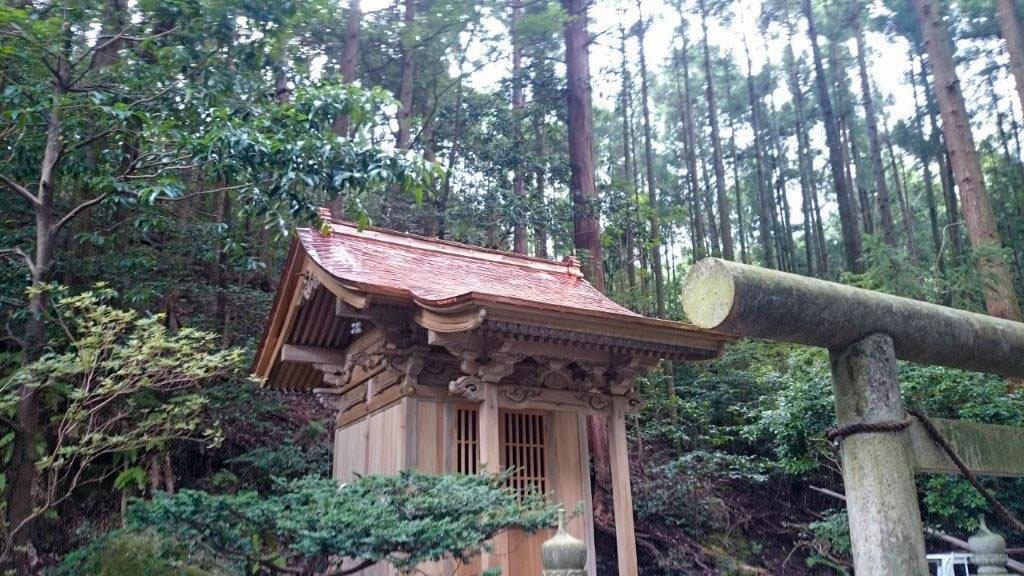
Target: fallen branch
1014, 565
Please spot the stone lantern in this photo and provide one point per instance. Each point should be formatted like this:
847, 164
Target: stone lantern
989, 550
563, 555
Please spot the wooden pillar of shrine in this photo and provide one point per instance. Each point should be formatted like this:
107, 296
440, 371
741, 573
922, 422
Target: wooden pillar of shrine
625, 537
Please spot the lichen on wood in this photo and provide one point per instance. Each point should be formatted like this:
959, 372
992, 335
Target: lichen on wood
757, 302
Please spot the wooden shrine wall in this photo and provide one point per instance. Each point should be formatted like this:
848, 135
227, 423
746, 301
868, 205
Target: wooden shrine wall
376, 444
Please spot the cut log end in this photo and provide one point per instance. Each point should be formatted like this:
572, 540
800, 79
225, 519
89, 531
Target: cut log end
709, 293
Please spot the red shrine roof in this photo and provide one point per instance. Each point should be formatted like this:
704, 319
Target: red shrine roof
439, 273
338, 275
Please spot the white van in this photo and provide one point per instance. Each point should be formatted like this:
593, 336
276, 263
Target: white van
951, 564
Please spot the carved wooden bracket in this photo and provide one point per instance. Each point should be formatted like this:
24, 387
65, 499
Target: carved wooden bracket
309, 287
621, 377
467, 387
330, 398
408, 362
498, 366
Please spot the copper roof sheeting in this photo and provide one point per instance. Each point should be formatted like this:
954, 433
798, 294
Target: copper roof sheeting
454, 286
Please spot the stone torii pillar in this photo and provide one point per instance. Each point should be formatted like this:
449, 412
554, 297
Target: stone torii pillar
865, 332
878, 472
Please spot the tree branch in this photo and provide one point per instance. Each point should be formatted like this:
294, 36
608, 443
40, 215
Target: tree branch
93, 138
1014, 565
78, 210
346, 571
18, 188
17, 251
10, 424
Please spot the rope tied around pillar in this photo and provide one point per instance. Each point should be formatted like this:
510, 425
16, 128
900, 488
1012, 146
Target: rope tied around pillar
836, 435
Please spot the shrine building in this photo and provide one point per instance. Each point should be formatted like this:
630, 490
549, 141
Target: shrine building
450, 358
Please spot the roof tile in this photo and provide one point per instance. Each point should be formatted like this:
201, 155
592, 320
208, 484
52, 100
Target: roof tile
442, 273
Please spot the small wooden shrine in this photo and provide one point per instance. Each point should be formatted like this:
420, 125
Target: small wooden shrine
451, 358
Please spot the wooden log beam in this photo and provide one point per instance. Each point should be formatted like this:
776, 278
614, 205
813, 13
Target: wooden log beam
520, 397
757, 302
312, 355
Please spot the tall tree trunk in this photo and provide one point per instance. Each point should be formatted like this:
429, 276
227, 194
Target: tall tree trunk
896, 167
785, 230
926, 171
877, 168
403, 137
740, 227
519, 241
803, 164
349, 58
860, 199
843, 111
29, 416
641, 234
945, 166
847, 212
444, 195
1009, 26
540, 215
627, 170
586, 205
408, 77
823, 258
1014, 191
1000, 299
707, 192
764, 220
698, 233
652, 189
724, 225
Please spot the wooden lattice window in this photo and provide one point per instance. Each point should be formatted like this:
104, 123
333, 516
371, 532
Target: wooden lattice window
522, 437
467, 440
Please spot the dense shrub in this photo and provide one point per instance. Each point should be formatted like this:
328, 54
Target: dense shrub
123, 553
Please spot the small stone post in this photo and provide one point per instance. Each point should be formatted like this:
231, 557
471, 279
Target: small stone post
878, 473
989, 551
563, 555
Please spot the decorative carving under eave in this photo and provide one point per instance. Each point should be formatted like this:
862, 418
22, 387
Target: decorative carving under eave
309, 287
467, 387
633, 402
516, 396
519, 394
330, 398
598, 402
556, 376
620, 378
498, 366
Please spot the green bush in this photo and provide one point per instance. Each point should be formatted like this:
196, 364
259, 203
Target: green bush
306, 524
123, 553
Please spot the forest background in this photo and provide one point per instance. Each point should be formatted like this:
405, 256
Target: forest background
156, 155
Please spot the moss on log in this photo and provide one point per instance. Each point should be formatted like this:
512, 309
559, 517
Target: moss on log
762, 303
